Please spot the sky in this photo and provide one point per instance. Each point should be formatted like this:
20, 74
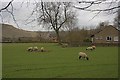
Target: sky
22, 11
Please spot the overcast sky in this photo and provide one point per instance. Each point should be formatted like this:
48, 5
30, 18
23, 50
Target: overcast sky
23, 10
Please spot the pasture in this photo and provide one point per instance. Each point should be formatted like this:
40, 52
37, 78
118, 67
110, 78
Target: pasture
58, 62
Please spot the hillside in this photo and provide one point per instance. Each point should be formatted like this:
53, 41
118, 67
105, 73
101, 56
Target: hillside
11, 33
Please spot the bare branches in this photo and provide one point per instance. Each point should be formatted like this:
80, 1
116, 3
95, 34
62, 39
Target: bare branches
110, 9
94, 3
101, 10
65, 15
13, 17
7, 5
10, 11
95, 15
97, 10
88, 2
33, 11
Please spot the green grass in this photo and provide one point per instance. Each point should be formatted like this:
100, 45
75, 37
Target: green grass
0, 60
58, 62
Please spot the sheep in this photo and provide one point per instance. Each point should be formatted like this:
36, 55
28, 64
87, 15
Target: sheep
30, 49
64, 45
35, 48
94, 47
89, 48
42, 49
83, 55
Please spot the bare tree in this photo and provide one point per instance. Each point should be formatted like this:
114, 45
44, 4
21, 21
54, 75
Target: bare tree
55, 15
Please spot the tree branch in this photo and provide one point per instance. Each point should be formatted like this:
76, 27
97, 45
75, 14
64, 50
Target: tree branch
90, 4
94, 2
7, 5
56, 15
83, 8
13, 17
97, 10
64, 20
95, 16
48, 16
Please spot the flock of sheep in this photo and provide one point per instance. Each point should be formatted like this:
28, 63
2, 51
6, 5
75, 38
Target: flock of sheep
82, 55
35, 49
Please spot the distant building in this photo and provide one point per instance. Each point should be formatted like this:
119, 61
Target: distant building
107, 35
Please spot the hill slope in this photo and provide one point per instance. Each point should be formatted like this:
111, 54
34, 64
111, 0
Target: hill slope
11, 33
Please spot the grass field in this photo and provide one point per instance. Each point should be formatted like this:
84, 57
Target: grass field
58, 62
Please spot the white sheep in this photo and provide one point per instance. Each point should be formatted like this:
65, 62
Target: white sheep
94, 47
83, 55
30, 49
35, 48
42, 49
89, 48
64, 45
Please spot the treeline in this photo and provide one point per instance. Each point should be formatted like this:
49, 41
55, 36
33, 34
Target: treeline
73, 36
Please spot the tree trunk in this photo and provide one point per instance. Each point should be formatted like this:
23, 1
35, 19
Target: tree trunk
58, 37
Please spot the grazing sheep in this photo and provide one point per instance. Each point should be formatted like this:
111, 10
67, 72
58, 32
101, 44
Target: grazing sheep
64, 45
89, 48
94, 47
30, 49
42, 49
83, 55
35, 48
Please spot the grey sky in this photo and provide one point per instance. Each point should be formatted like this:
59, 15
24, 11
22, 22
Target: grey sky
23, 11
